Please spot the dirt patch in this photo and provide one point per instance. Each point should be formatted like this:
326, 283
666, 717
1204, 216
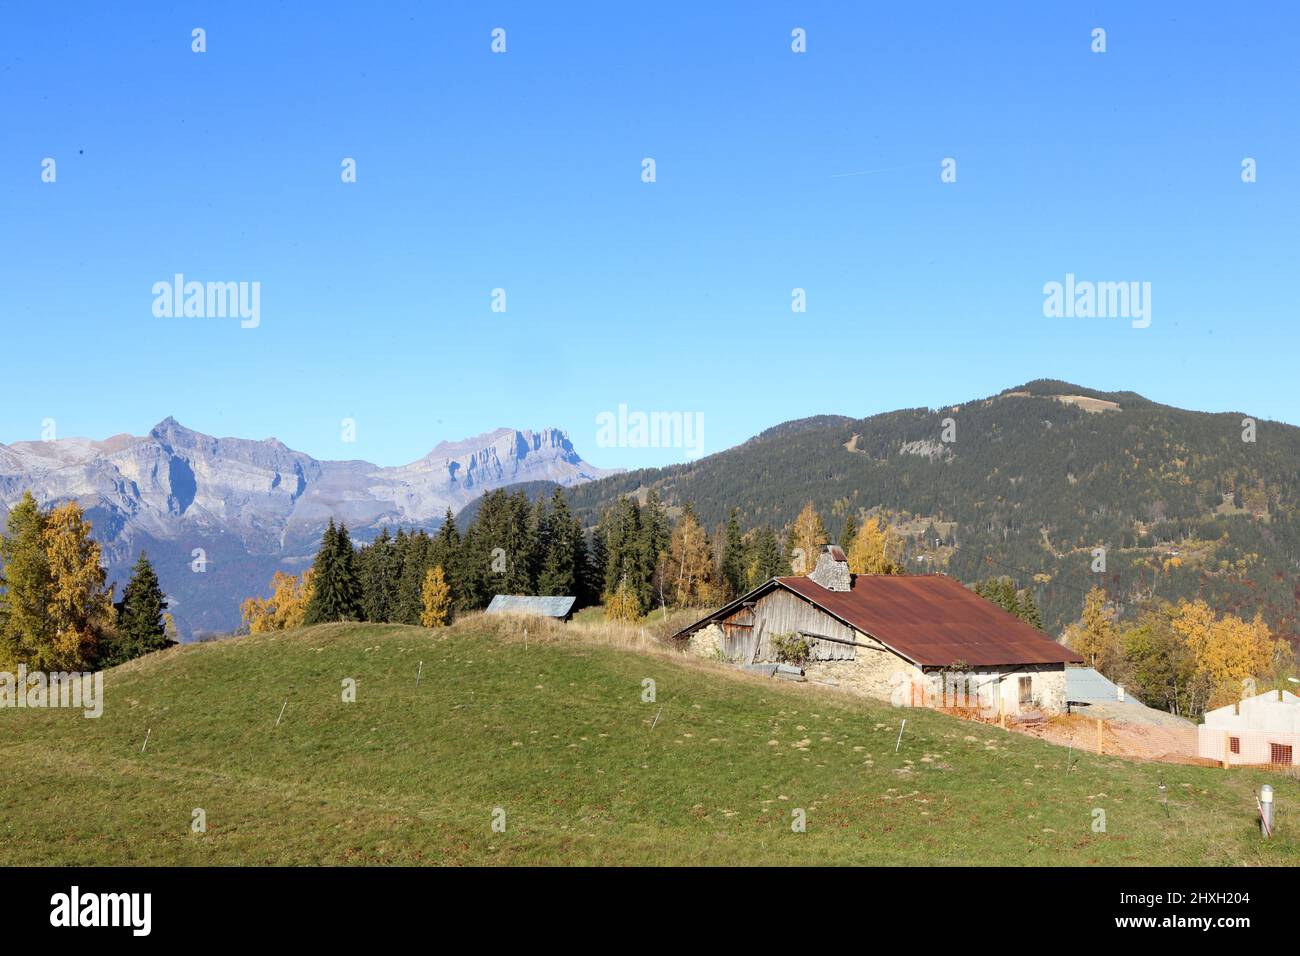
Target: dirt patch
1171, 744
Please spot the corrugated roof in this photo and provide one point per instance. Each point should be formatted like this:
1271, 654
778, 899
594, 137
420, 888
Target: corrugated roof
930, 619
1086, 684
530, 604
933, 620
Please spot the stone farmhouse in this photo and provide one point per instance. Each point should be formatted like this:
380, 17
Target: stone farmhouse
910, 639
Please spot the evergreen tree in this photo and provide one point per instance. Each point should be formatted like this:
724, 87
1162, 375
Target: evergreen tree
559, 567
593, 581
1029, 612
733, 558
336, 592
410, 586
1006, 597
625, 562
654, 535
768, 562
581, 562
379, 569
141, 627
444, 551
849, 532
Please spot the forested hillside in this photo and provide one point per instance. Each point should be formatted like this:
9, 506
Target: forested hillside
1028, 484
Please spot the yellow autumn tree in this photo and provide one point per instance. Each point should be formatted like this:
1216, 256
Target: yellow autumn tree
1094, 635
80, 606
688, 564
285, 609
623, 605
435, 598
1227, 651
807, 536
873, 549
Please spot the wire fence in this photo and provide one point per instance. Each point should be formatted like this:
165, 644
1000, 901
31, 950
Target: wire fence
1277, 750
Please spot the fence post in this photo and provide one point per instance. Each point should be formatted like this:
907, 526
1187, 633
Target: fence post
1099, 735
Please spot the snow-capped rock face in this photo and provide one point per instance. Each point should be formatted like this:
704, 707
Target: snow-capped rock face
260, 504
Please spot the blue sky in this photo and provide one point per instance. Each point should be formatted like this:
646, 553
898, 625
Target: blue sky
522, 171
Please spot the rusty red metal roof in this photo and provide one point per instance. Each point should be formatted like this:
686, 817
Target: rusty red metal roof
933, 620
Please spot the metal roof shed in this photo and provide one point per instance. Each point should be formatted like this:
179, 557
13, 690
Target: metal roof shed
560, 608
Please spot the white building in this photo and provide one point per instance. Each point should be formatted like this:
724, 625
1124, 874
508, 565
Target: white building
1264, 729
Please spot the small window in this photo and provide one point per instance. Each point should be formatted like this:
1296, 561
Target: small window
1234, 744
1279, 753
1026, 691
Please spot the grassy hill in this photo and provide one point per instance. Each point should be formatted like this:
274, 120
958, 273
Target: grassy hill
555, 733
1036, 477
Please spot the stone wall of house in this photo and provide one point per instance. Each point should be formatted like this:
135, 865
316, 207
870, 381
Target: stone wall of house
1049, 688
886, 676
875, 673
706, 642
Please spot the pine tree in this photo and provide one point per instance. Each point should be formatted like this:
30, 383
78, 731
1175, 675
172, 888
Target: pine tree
593, 580
849, 532
768, 562
1029, 612
581, 561
336, 592
378, 570
410, 585
559, 568
141, 627
517, 539
1006, 597
733, 557
625, 562
445, 551
654, 537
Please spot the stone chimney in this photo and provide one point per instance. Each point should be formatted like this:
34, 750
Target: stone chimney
832, 571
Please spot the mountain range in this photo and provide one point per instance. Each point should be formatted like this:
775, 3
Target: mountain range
1034, 483
219, 515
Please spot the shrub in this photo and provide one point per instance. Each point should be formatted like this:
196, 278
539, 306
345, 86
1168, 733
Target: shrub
792, 649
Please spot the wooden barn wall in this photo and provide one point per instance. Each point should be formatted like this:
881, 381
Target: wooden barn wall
780, 612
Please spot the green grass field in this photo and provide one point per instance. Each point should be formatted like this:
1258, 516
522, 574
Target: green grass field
556, 734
